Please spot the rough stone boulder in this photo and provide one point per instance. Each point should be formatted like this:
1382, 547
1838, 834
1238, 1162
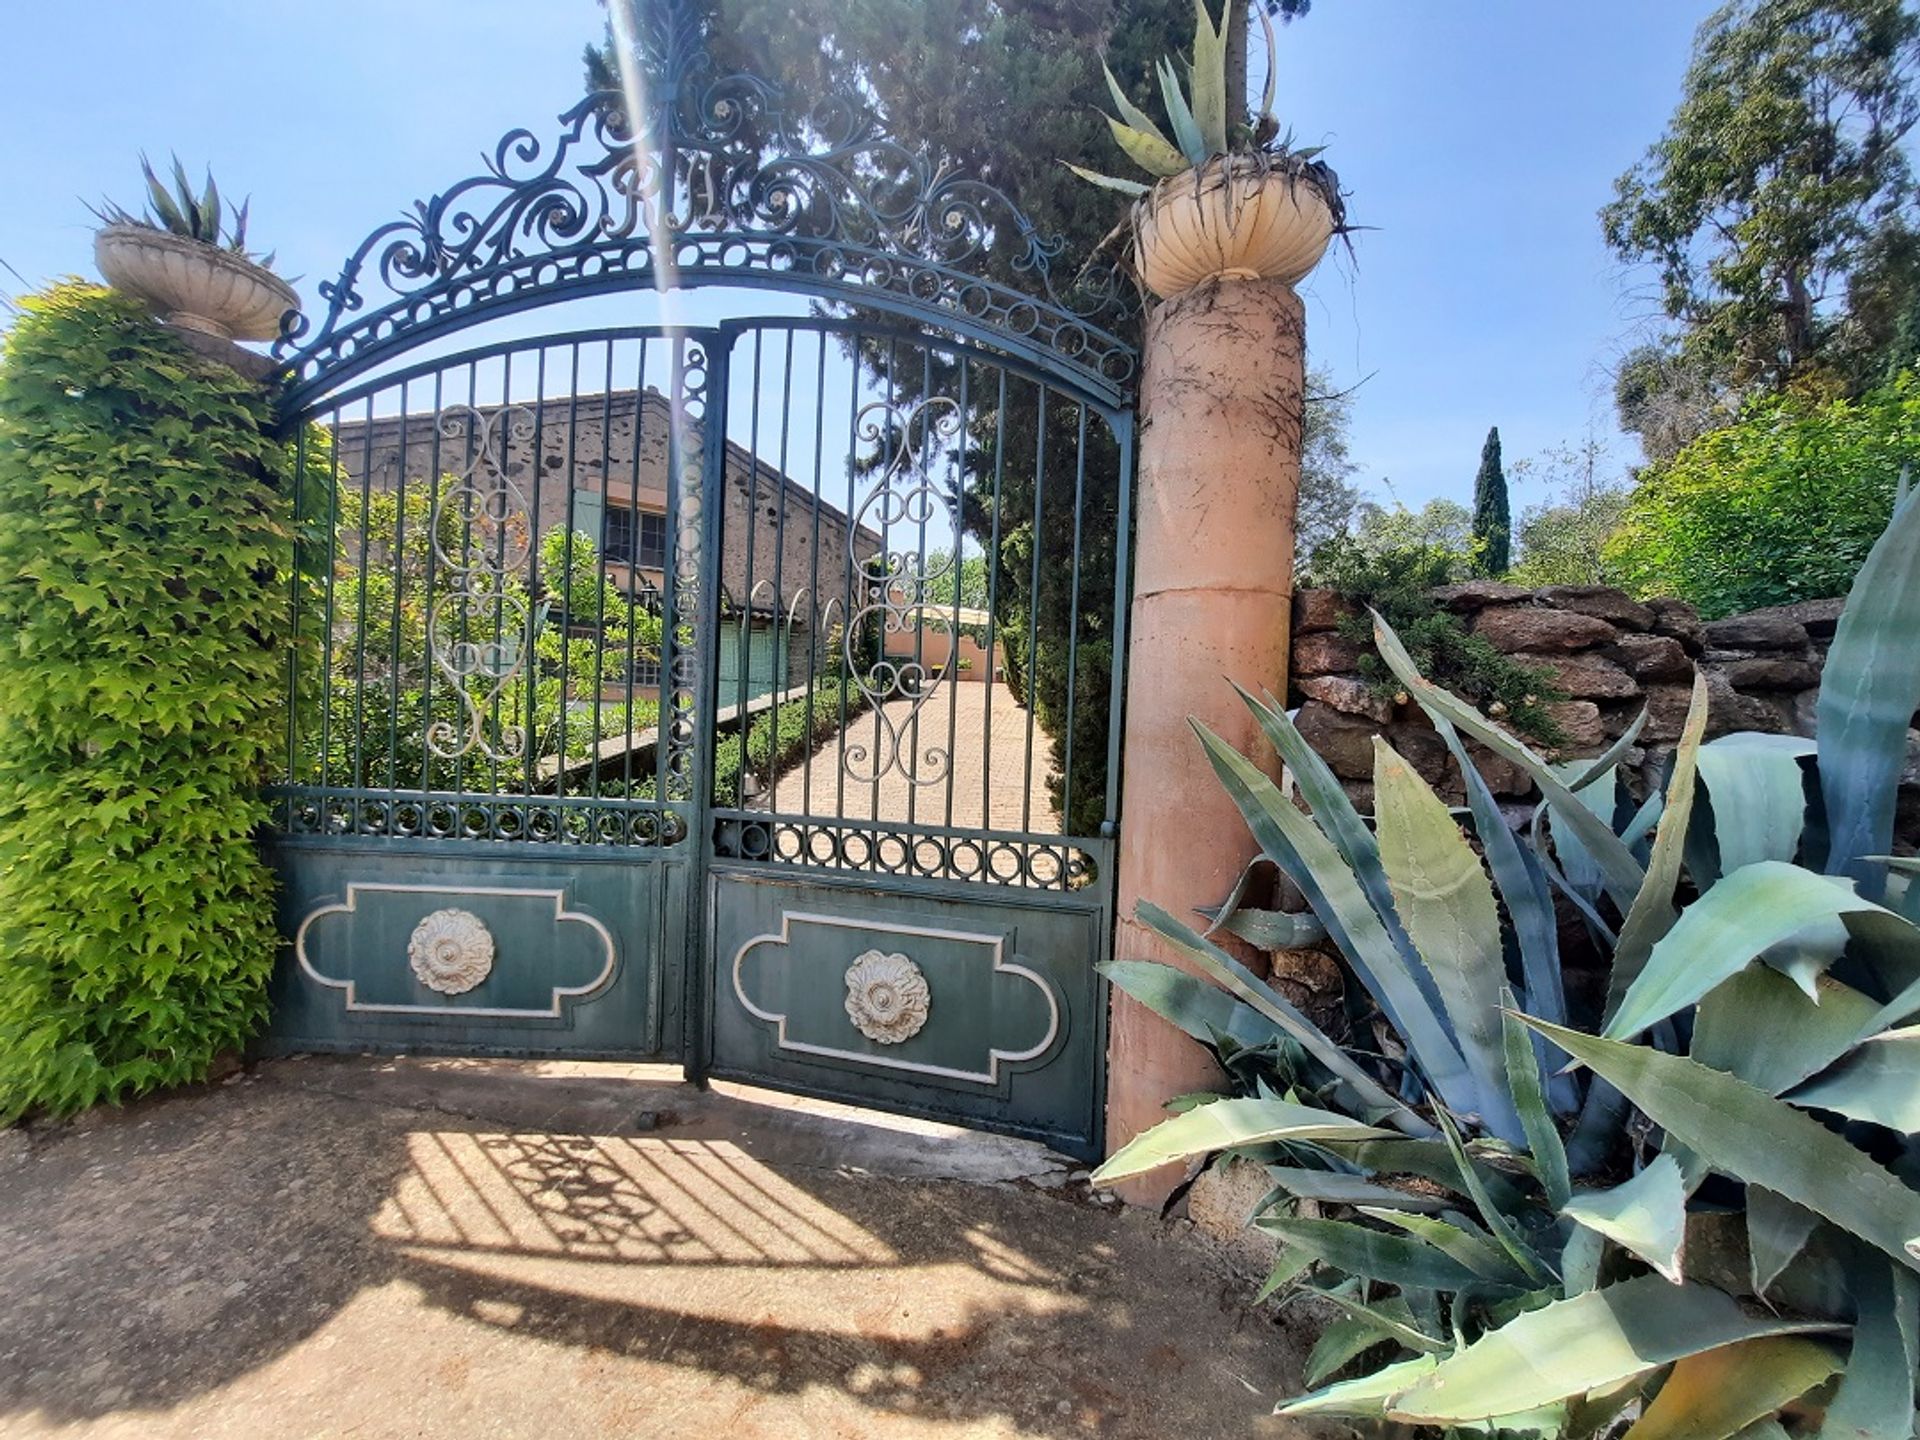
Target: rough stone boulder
1603, 602
1530, 628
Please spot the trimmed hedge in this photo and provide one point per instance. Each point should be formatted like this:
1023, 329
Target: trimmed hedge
145, 540
773, 750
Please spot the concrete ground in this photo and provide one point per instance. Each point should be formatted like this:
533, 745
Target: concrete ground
367, 1248
978, 727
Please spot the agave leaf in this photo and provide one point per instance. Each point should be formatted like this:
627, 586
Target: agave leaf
1875, 1397
1647, 1214
1767, 1429
1868, 693
1132, 114
1474, 1251
1580, 1344
1299, 848
164, 209
1748, 1134
1186, 130
1340, 1342
1288, 1266
1777, 1231
240, 224
1431, 1160
1391, 1313
1275, 929
211, 211
1750, 911
1198, 1008
1210, 78
1543, 1137
1151, 153
1875, 1082
1600, 796
1371, 1254
1623, 873
1758, 791
1445, 901
183, 192
1610, 757
1717, 1393
1758, 1025
1227, 1125
1265, 111
1580, 1260
1338, 1188
1134, 188
1365, 1397
1224, 970
1505, 1233
1653, 911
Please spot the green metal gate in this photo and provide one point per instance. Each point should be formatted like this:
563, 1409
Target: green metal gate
528, 806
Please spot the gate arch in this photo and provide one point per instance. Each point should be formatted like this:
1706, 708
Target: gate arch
558, 761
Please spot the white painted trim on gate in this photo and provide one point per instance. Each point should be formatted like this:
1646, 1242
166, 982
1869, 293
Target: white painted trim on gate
1001, 966
560, 913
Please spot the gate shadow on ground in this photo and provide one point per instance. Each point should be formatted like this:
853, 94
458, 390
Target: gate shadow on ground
183, 1255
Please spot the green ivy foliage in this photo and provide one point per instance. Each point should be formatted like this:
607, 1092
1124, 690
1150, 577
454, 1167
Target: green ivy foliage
1782, 506
145, 544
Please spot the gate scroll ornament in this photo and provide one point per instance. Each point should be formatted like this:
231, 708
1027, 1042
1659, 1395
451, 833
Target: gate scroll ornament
896, 599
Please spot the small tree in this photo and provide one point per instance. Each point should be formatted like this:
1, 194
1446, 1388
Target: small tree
1492, 520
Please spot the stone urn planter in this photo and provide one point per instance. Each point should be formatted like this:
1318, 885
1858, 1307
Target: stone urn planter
192, 284
1237, 217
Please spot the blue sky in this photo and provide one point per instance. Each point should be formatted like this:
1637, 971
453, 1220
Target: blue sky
1479, 136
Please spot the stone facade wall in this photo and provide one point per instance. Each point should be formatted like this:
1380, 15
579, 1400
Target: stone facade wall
1612, 655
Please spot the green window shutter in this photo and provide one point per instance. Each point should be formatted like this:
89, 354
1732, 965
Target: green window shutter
589, 514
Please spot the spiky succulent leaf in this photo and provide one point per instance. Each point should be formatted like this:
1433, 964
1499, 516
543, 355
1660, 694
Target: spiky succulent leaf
1646, 1214
1758, 794
1370, 1254
164, 209
1131, 113
1748, 1134
1760, 1026
1149, 151
1879, 1081
1204, 1012
1573, 1346
1108, 182
1226, 1125
1718, 1393
1529, 1095
1210, 78
1777, 1231
1869, 690
1874, 1400
1445, 901
1186, 130
1265, 112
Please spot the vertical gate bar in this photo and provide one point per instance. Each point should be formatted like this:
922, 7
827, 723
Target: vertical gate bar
566, 567
1073, 623
633, 588
294, 581
911, 769
530, 778
505, 462
854, 588
993, 599
1033, 604
360, 623
955, 512
780, 660
813, 578
399, 572
892, 397
743, 646
1122, 425
466, 566
332, 574
600, 580
433, 555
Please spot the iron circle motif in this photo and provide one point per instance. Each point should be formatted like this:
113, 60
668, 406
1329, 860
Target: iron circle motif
887, 997
451, 951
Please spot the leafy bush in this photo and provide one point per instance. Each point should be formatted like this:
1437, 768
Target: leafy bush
1781, 506
1517, 1248
1397, 581
772, 746
145, 543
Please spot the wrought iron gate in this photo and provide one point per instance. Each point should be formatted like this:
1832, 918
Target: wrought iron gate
744, 692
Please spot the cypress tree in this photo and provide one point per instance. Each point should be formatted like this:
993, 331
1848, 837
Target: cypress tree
1492, 520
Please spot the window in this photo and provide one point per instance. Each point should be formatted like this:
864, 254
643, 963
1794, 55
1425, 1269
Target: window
629, 537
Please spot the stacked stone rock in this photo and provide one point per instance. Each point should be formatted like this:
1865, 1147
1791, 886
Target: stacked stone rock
1611, 655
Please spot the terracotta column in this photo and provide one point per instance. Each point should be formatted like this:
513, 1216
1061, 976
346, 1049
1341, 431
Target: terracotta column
1219, 476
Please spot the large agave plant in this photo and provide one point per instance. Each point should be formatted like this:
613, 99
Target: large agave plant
184, 211
1707, 1223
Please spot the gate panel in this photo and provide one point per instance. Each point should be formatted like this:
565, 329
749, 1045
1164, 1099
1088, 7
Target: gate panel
922, 532
486, 822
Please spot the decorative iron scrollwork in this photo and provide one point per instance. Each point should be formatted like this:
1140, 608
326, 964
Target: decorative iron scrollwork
724, 178
480, 627
897, 599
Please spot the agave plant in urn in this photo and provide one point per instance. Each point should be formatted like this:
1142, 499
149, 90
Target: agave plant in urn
1231, 198
184, 260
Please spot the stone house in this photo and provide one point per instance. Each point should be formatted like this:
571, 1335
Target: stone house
601, 470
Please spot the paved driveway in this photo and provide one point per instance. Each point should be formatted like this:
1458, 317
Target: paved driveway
340, 1247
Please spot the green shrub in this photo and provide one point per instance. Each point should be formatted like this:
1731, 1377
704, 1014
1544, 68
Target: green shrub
773, 746
1397, 580
1781, 506
145, 543
1714, 1212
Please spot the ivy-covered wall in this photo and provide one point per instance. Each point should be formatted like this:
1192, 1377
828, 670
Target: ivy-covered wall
145, 540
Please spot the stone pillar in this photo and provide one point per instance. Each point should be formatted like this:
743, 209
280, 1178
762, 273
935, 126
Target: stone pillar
1219, 476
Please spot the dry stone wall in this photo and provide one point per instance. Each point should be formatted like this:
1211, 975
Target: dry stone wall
1611, 654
